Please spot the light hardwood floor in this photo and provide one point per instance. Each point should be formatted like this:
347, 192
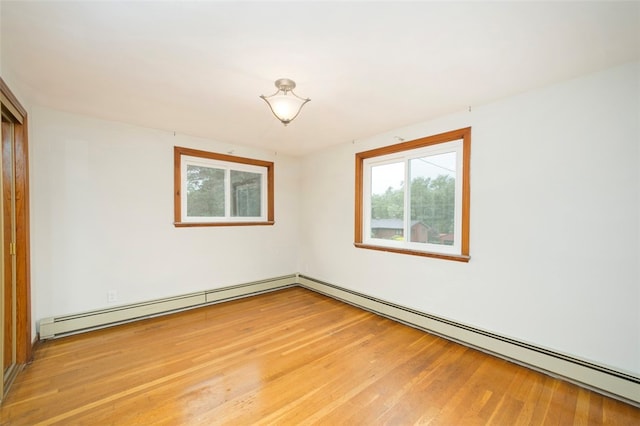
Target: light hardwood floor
291, 357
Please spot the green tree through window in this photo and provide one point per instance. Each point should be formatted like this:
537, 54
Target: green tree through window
205, 191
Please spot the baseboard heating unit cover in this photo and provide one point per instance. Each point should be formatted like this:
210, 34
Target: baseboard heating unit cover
606, 380
618, 384
92, 320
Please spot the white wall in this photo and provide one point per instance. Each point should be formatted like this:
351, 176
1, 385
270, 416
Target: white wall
102, 218
555, 256
555, 235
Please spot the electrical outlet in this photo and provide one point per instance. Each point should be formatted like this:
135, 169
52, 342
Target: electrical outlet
112, 296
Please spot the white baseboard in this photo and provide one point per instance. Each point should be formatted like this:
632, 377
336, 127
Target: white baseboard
611, 382
617, 384
72, 324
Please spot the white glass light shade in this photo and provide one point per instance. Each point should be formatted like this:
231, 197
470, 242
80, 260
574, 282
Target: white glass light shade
285, 107
285, 104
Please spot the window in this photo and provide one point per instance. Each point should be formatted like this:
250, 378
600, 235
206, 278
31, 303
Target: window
221, 190
413, 197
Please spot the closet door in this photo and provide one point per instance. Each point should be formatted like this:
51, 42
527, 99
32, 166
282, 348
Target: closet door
15, 296
9, 317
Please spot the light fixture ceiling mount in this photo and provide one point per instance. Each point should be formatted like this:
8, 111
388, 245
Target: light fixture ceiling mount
285, 104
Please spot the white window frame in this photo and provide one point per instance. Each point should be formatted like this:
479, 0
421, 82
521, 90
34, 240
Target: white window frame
458, 141
406, 157
184, 157
187, 161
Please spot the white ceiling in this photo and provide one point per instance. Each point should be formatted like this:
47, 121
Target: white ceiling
198, 68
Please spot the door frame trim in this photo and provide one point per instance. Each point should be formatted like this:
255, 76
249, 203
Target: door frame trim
24, 349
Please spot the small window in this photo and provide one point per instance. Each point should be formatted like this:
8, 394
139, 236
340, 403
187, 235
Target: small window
220, 190
413, 197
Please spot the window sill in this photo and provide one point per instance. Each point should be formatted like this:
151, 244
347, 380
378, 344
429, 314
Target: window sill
454, 257
195, 224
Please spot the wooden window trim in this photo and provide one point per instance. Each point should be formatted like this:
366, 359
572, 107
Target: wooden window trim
465, 135
178, 152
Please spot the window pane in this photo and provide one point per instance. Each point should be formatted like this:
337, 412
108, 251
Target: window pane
387, 201
245, 194
205, 191
433, 180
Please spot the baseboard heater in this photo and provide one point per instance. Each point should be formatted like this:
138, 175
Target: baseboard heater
72, 324
614, 383
618, 384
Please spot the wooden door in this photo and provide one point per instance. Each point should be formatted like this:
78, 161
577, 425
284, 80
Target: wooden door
15, 297
8, 258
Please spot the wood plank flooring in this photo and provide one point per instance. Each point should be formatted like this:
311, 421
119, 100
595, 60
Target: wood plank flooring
291, 357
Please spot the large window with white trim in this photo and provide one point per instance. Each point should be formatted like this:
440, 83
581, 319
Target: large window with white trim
218, 189
413, 197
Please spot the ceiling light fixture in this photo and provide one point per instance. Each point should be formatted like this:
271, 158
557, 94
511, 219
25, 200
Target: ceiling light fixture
285, 104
